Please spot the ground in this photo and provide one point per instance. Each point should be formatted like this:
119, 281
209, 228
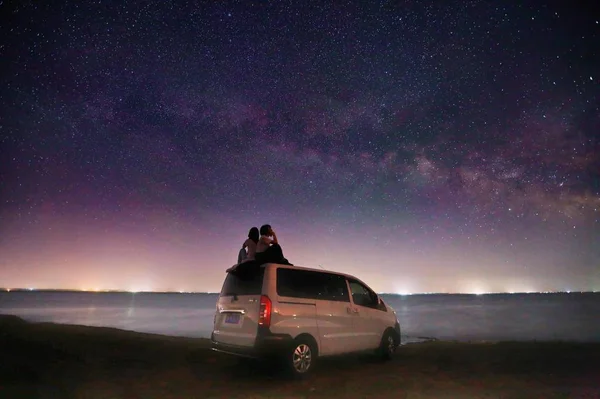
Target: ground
57, 361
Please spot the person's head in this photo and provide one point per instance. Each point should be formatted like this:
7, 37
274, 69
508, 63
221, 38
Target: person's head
253, 234
265, 230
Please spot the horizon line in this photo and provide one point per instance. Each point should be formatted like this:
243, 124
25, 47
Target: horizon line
99, 291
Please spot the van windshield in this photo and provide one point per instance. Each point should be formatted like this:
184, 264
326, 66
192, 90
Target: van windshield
244, 282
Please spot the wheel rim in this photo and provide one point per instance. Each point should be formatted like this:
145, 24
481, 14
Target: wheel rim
302, 358
391, 344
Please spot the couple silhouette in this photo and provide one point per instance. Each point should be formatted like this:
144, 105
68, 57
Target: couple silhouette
262, 246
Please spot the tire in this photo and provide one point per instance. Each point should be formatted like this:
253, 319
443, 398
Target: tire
388, 345
301, 357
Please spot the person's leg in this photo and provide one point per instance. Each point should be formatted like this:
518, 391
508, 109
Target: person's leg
276, 255
275, 252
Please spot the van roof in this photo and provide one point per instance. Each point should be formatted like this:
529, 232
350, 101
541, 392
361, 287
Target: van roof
312, 269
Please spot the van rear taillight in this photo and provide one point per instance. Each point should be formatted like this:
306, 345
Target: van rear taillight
264, 315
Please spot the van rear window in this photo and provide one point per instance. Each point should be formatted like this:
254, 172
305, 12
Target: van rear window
247, 281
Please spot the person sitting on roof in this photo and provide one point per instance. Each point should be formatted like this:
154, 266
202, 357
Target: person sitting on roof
268, 249
248, 251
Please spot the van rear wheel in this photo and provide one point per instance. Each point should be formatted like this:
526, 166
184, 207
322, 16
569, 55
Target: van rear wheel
300, 359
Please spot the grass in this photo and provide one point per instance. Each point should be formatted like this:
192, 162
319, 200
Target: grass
46, 360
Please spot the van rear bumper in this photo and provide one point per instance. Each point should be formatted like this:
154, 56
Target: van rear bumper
267, 345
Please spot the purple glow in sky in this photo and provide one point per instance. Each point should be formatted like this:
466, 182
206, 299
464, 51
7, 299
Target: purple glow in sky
424, 148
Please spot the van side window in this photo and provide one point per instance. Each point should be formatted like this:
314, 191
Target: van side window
311, 285
362, 296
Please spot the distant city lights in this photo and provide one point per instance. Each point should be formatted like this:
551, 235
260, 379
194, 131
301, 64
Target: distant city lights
400, 293
479, 293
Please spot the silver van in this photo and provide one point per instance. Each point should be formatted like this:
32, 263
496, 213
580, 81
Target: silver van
298, 314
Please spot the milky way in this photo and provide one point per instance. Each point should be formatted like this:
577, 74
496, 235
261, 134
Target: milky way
448, 148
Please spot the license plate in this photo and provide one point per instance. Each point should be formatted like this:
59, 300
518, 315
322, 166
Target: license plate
232, 318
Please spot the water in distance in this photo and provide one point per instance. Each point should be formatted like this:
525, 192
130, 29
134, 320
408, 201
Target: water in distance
519, 317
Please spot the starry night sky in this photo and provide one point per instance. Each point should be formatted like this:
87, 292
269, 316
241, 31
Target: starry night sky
424, 148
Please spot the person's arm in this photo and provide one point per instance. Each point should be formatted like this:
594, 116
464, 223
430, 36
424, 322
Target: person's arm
267, 241
245, 244
274, 240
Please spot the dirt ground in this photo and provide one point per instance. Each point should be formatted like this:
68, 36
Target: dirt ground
59, 361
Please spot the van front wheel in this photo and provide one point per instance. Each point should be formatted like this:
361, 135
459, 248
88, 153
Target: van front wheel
388, 345
301, 356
